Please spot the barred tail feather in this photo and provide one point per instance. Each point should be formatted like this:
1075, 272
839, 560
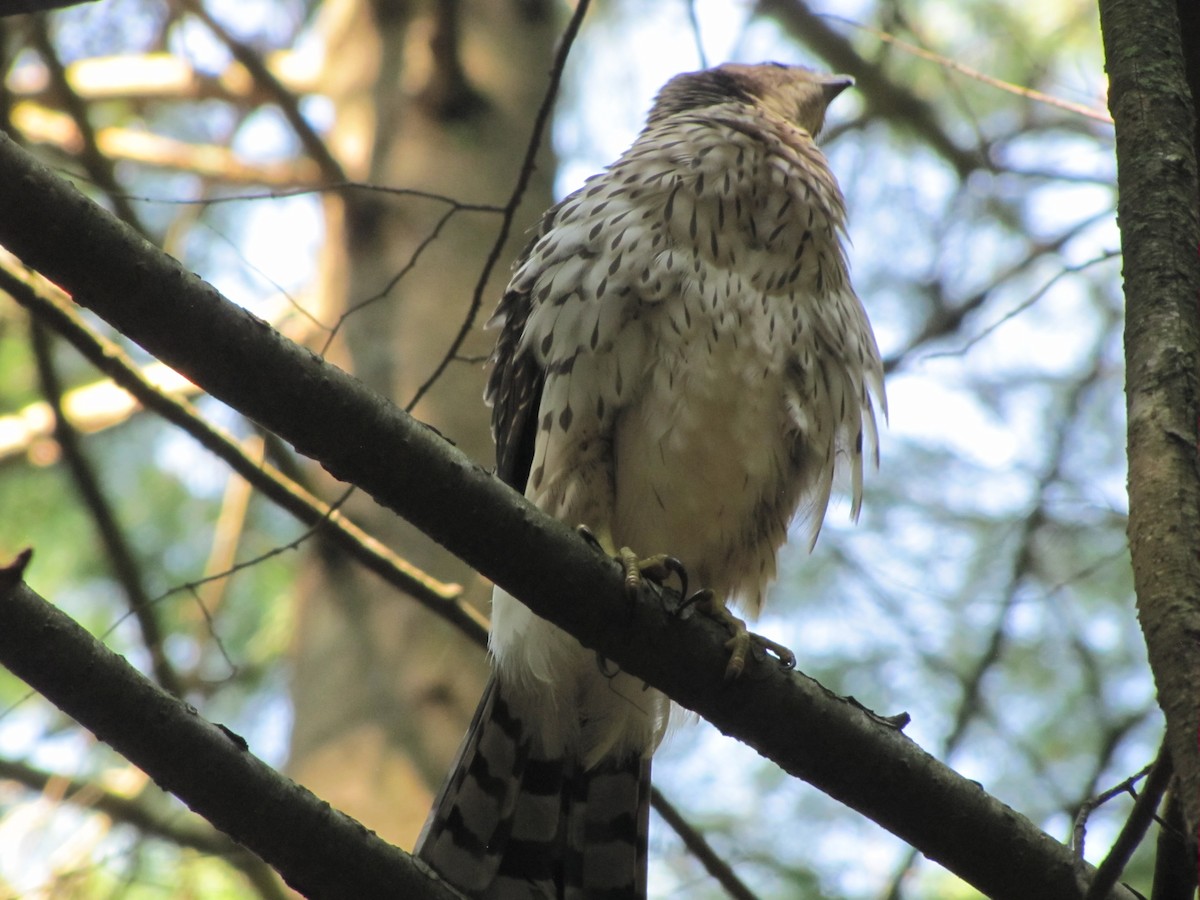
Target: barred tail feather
474, 806
509, 824
606, 826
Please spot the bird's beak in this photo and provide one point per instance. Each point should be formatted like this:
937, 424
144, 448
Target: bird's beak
834, 85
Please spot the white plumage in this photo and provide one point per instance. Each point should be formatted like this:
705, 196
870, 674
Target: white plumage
681, 365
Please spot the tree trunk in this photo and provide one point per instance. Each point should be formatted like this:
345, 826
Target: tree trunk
441, 100
1160, 235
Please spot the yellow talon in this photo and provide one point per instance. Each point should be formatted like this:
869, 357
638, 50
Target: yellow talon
742, 638
658, 569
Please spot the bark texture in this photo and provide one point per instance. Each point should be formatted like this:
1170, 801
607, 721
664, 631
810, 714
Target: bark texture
1160, 235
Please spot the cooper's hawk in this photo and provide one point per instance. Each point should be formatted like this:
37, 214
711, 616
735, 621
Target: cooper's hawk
681, 363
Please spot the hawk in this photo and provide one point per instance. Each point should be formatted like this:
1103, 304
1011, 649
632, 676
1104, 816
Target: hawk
681, 365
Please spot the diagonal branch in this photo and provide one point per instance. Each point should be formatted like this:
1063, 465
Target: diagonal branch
319, 851
1134, 830
442, 599
699, 847
145, 815
314, 146
112, 536
359, 437
99, 167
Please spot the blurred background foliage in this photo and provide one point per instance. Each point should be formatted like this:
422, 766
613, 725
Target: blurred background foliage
986, 589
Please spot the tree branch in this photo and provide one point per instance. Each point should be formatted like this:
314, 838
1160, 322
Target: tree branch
357, 436
191, 831
1160, 235
314, 146
1174, 864
699, 847
49, 307
444, 600
1134, 830
40, 125
318, 850
117, 549
98, 166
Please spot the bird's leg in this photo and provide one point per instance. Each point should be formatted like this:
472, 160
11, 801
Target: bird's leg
657, 568
742, 639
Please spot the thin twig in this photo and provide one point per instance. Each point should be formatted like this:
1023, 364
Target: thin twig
314, 146
700, 848
1089, 806
946, 62
697, 37
1134, 830
99, 166
147, 814
119, 554
1030, 301
442, 599
332, 187
413, 258
945, 320
514, 200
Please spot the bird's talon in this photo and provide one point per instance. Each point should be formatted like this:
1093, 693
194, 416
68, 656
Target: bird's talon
633, 570
674, 566
661, 567
657, 569
742, 640
586, 533
738, 645
700, 600
787, 659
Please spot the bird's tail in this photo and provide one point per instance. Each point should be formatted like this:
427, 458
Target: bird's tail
512, 823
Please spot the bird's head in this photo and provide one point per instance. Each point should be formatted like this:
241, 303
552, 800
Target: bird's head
795, 93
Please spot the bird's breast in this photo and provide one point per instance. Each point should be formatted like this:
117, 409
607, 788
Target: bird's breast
707, 446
